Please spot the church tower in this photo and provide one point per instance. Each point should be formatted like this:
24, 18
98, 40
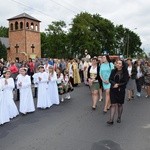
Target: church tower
24, 37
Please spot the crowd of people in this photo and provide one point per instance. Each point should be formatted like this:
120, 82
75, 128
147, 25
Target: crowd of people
50, 81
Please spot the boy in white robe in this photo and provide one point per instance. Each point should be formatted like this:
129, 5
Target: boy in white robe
26, 97
52, 87
9, 85
42, 81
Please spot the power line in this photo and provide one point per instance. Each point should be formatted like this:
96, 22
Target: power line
64, 6
76, 7
34, 9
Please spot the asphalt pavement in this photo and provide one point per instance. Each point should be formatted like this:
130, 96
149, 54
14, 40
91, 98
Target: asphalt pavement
73, 125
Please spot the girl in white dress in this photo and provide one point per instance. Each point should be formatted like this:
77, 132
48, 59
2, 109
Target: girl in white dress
42, 81
26, 97
4, 112
52, 87
8, 94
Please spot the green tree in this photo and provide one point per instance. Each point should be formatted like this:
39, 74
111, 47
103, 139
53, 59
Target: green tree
3, 51
54, 40
3, 31
91, 32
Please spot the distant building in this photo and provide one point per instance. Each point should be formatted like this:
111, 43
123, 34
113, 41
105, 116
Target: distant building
24, 37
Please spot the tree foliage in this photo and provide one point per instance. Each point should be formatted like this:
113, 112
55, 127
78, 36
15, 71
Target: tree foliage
3, 31
3, 51
54, 40
89, 32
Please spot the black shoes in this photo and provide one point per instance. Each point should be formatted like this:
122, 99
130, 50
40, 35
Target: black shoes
110, 122
119, 120
93, 108
104, 112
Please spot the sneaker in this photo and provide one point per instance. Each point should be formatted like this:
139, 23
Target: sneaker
68, 97
138, 94
62, 99
147, 96
101, 99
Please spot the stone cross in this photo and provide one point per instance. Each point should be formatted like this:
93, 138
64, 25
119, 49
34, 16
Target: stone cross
16, 48
32, 46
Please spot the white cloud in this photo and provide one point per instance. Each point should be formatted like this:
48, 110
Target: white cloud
131, 14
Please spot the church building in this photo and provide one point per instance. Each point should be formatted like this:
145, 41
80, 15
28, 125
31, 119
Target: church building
24, 37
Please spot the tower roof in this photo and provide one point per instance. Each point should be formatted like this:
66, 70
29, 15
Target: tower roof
24, 15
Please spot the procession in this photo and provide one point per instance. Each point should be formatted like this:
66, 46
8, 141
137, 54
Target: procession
51, 82
74, 75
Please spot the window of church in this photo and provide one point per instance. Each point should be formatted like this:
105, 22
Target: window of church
16, 25
27, 25
11, 26
32, 26
36, 27
21, 25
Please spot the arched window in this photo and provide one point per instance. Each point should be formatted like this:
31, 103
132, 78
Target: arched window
32, 26
16, 25
36, 27
11, 26
21, 25
27, 25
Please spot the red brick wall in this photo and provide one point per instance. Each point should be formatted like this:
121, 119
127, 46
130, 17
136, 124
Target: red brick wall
24, 38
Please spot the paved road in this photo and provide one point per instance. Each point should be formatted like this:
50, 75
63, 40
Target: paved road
74, 126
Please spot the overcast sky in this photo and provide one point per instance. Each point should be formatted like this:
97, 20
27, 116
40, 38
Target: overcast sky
133, 14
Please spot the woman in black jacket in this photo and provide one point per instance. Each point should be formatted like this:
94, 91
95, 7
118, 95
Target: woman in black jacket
118, 79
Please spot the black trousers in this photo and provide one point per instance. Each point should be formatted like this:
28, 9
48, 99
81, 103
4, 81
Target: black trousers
139, 84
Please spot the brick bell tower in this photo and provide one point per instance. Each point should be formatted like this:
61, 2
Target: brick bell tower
24, 37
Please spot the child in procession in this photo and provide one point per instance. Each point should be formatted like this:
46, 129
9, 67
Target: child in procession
26, 97
4, 112
43, 101
52, 86
9, 85
60, 83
